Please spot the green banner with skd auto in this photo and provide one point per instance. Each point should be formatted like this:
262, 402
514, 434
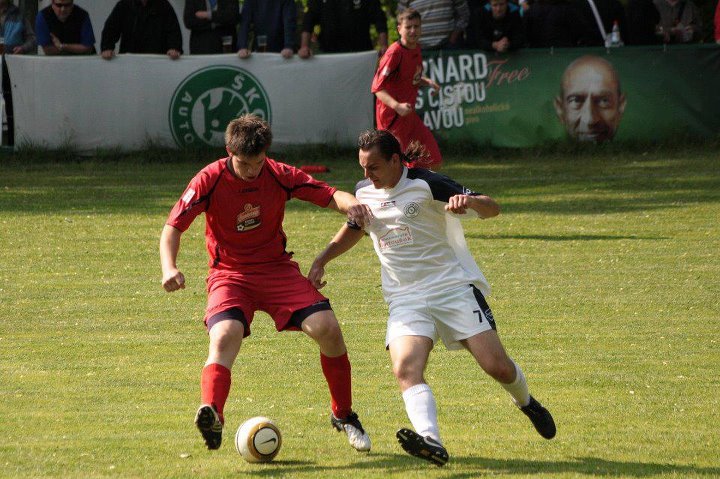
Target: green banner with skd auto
529, 97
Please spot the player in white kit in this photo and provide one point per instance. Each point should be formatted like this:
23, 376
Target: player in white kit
433, 287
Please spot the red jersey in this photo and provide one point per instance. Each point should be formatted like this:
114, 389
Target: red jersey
243, 219
398, 74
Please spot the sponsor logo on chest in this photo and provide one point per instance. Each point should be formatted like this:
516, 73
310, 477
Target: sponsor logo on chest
248, 219
395, 238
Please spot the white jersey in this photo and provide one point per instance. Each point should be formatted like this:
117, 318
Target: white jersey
421, 247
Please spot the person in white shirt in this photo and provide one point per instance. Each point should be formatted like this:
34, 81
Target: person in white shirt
433, 287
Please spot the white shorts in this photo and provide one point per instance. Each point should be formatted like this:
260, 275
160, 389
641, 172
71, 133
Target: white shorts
452, 315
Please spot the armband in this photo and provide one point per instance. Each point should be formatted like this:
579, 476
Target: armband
353, 226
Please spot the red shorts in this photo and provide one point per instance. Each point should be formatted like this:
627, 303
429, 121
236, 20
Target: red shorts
279, 289
410, 128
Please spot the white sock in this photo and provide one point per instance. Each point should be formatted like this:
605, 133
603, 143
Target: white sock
518, 389
422, 410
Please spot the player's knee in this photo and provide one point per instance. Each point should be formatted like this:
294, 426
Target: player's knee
325, 328
407, 374
501, 370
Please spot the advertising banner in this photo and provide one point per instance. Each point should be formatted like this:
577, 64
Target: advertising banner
531, 96
91, 103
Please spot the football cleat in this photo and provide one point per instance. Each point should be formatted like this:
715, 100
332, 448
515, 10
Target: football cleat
208, 422
357, 437
541, 418
423, 447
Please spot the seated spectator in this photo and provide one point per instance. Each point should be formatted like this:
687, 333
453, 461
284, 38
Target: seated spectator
273, 25
642, 17
443, 22
552, 24
679, 21
63, 28
499, 27
344, 26
16, 30
209, 22
142, 26
609, 11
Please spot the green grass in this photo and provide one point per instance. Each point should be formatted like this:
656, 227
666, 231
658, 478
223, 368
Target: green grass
605, 273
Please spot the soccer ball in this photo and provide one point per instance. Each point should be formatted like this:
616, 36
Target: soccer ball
258, 440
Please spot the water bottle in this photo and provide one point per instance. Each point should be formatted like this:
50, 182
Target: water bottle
615, 40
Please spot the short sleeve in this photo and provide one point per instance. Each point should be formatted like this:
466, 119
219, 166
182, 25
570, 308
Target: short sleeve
389, 64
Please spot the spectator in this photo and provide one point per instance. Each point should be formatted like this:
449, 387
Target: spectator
396, 84
552, 23
273, 25
16, 30
443, 21
212, 25
679, 21
597, 18
642, 17
344, 26
19, 39
142, 26
64, 29
499, 27
717, 23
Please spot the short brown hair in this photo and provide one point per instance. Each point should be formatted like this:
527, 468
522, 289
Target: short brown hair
408, 14
248, 135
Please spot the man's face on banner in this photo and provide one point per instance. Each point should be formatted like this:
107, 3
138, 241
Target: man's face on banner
590, 104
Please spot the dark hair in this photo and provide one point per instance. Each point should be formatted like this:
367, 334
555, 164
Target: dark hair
248, 135
387, 145
408, 14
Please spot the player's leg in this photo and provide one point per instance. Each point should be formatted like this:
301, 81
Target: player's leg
226, 331
323, 328
409, 356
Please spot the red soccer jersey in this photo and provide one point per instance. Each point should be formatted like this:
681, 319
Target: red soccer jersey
243, 219
398, 74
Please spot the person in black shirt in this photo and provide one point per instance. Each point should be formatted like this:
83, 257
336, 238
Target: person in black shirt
498, 27
344, 26
142, 26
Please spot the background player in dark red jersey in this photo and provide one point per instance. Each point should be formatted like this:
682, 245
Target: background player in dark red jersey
243, 197
395, 86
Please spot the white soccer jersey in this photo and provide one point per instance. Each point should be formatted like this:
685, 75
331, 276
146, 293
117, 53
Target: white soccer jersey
421, 247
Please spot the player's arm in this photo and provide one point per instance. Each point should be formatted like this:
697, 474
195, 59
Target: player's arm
401, 108
172, 278
346, 203
483, 205
429, 82
344, 240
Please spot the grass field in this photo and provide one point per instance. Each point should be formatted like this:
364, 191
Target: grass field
605, 269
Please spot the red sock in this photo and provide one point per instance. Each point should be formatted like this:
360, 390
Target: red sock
337, 374
215, 386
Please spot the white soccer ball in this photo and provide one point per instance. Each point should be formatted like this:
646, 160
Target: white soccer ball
258, 440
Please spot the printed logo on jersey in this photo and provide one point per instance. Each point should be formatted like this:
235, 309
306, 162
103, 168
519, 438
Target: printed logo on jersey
395, 237
411, 210
209, 98
387, 204
417, 76
249, 219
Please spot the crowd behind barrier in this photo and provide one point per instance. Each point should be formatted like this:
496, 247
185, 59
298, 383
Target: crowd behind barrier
68, 27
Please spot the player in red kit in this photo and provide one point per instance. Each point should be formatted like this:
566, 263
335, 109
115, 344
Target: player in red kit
243, 197
396, 84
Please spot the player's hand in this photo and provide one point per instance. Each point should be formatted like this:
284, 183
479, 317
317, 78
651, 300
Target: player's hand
173, 280
360, 214
243, 53
404, 109
458, 204
173, 54
315, 275
286, 52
